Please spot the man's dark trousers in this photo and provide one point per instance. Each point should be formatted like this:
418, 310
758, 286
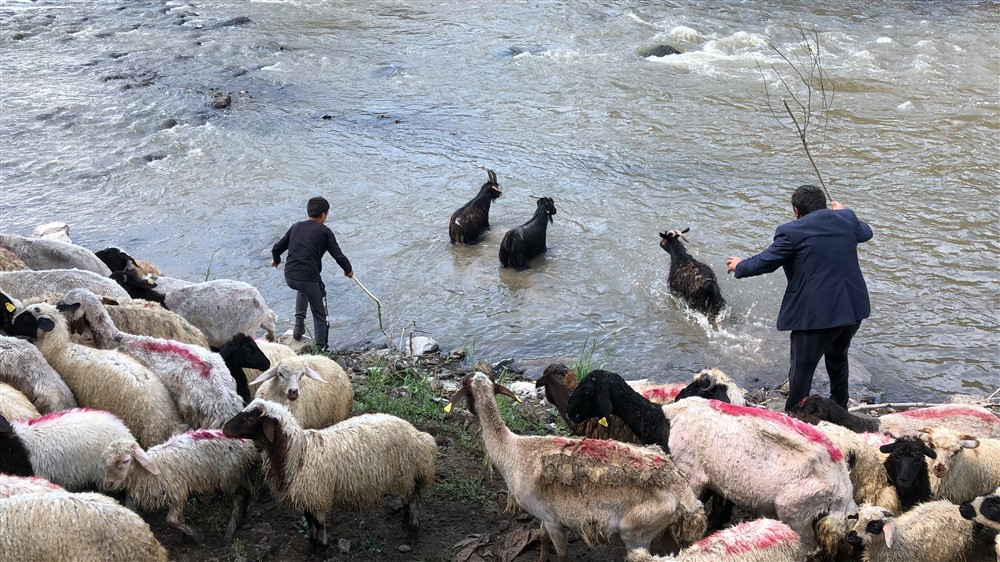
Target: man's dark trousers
312, 293
806, 349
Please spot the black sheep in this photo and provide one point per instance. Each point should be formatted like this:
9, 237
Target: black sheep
239, 352
7, 311
907, 470
691, 279
559, 383
472, 220
814, 409
707, 387
524, 242
116, 259
15, 459
138, 287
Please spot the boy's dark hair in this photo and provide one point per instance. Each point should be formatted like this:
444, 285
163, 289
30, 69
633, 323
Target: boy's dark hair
316, 207
808, 198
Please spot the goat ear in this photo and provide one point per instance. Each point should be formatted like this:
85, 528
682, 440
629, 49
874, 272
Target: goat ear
457, 398
268, 425
501, 389
889, 529
968, 441
144, 461
314, 375
604, 402
491, 175
266, 375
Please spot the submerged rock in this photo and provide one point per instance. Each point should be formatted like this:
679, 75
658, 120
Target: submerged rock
658, 51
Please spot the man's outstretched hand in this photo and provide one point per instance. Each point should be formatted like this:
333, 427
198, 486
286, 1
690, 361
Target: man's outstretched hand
731, 263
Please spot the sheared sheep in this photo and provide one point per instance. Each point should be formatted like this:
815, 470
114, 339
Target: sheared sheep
471, 220
76, 527
198, 380
101, 378
11, 486
930, 531
984, 510
521, 244
326, 395
869, 478
596, 488
242, 353
966, 466
690, 279
40, 253
974, 420
559, 383
907, 470
64, 447
201, 461
23, 285
760, 540
23, 367
351, 464
222, 309
9, 261
16, 406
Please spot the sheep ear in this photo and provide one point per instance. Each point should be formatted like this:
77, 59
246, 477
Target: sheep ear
268, 425
968, 441
888, 448
456, 399
144, 461
266, 375
5, 425
314, 375
46, 324
924, 434
109, 300
927, 450
685, 230
501, 389
604, 402
889, 529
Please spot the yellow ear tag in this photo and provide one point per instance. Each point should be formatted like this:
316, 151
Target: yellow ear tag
518, 398
10, 307
603, 421
149, 282
447, 408
534, 383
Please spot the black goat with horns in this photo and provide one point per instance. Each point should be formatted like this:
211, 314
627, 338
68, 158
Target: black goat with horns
472, 220
691, 279
524, 242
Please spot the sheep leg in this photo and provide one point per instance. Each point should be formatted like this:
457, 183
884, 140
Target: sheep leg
236, 519
558, 538
321, 540
543, 544
175, 518
411, 521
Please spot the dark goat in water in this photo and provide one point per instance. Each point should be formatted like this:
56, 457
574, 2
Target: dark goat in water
691, 279
472, 220
138, 287
524, 242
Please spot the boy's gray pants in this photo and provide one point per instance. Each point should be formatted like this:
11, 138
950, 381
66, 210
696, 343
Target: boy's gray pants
312, 293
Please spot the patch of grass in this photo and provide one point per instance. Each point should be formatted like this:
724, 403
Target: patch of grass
468, 489
404, 393
302, 527
372, 544
238, 551
470, 353
588, 362
512, 415
208, 272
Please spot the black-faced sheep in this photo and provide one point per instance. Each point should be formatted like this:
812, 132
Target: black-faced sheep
906, 469
596, 488
603, 393
559, 383
930, 531
64, 526
472, 220
8, 308
351, 464
966, 418
760, 540
40, 253
240, 353
691, 279
966, 466
137, 286
15, 458
326, 395
522, 243
117, 260
715, 385
984, 510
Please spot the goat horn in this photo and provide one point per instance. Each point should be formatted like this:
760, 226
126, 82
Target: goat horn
535, 197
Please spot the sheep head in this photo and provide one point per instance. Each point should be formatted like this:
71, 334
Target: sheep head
289, 374
872, 521
478, 383
35, 321
116, 259
947, 444
592, 397
704, 386
8, 307
906, 460
118, 459
255, 421
810, 409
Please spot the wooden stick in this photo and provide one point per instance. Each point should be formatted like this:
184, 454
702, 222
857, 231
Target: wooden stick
378, 304
899, 405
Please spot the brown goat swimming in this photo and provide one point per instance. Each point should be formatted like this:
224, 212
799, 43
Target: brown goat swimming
691, 279
472, 220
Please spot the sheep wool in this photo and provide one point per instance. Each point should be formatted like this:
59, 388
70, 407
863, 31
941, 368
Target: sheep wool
761, 540
23, 367
559, 383
23, 285
197, 462
77, 527
965, 466
106, 379
14, 405
314, 388
16, 485
144, 318
222, 308
930, 531
9, 261
39, 254
866, 465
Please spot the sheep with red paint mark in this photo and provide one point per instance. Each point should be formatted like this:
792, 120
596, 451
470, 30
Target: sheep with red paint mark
965, 465
103, 379
974, 420
23, 367
11, 486
598, 489
198, 462
760, 540
64, 447
14, 405
932, 531
198, 380
313, 387
10, 261
866, 465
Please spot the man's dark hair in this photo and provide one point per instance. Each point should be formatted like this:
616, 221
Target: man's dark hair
808, 198
316, 207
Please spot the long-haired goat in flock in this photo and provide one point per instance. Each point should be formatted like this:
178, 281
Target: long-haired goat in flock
524, 242
472, 220
691, 279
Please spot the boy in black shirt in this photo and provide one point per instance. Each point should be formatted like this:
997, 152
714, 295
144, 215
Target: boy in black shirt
306, 243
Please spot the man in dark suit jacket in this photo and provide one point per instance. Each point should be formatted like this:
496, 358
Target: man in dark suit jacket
826, 298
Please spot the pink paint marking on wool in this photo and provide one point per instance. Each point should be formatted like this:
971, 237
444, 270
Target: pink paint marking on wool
936, 412
37, 480
665, 392
611, 452
200, 434
168, 347
9, 253
777, 418
56, 415
750, 536
877, 439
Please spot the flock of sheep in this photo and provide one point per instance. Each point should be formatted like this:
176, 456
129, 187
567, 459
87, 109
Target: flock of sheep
111, 380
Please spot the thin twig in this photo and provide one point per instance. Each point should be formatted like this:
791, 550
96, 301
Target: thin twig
893, 405
378, 304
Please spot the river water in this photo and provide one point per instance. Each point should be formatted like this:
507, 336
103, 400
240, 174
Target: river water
421, 97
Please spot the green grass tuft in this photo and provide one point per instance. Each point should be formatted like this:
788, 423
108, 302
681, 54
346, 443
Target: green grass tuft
588, 362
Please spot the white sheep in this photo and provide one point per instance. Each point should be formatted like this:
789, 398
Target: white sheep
197, 462
198, 380
965, 466
16, 485
40, 253
16, 406
760, 540
24, 285
274, 351
52, 231
869, 478
221, 309
313, 387
930, 531
23, 367
596, 488
63, 526
66, 446
104, 379
967, 418
351, 464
